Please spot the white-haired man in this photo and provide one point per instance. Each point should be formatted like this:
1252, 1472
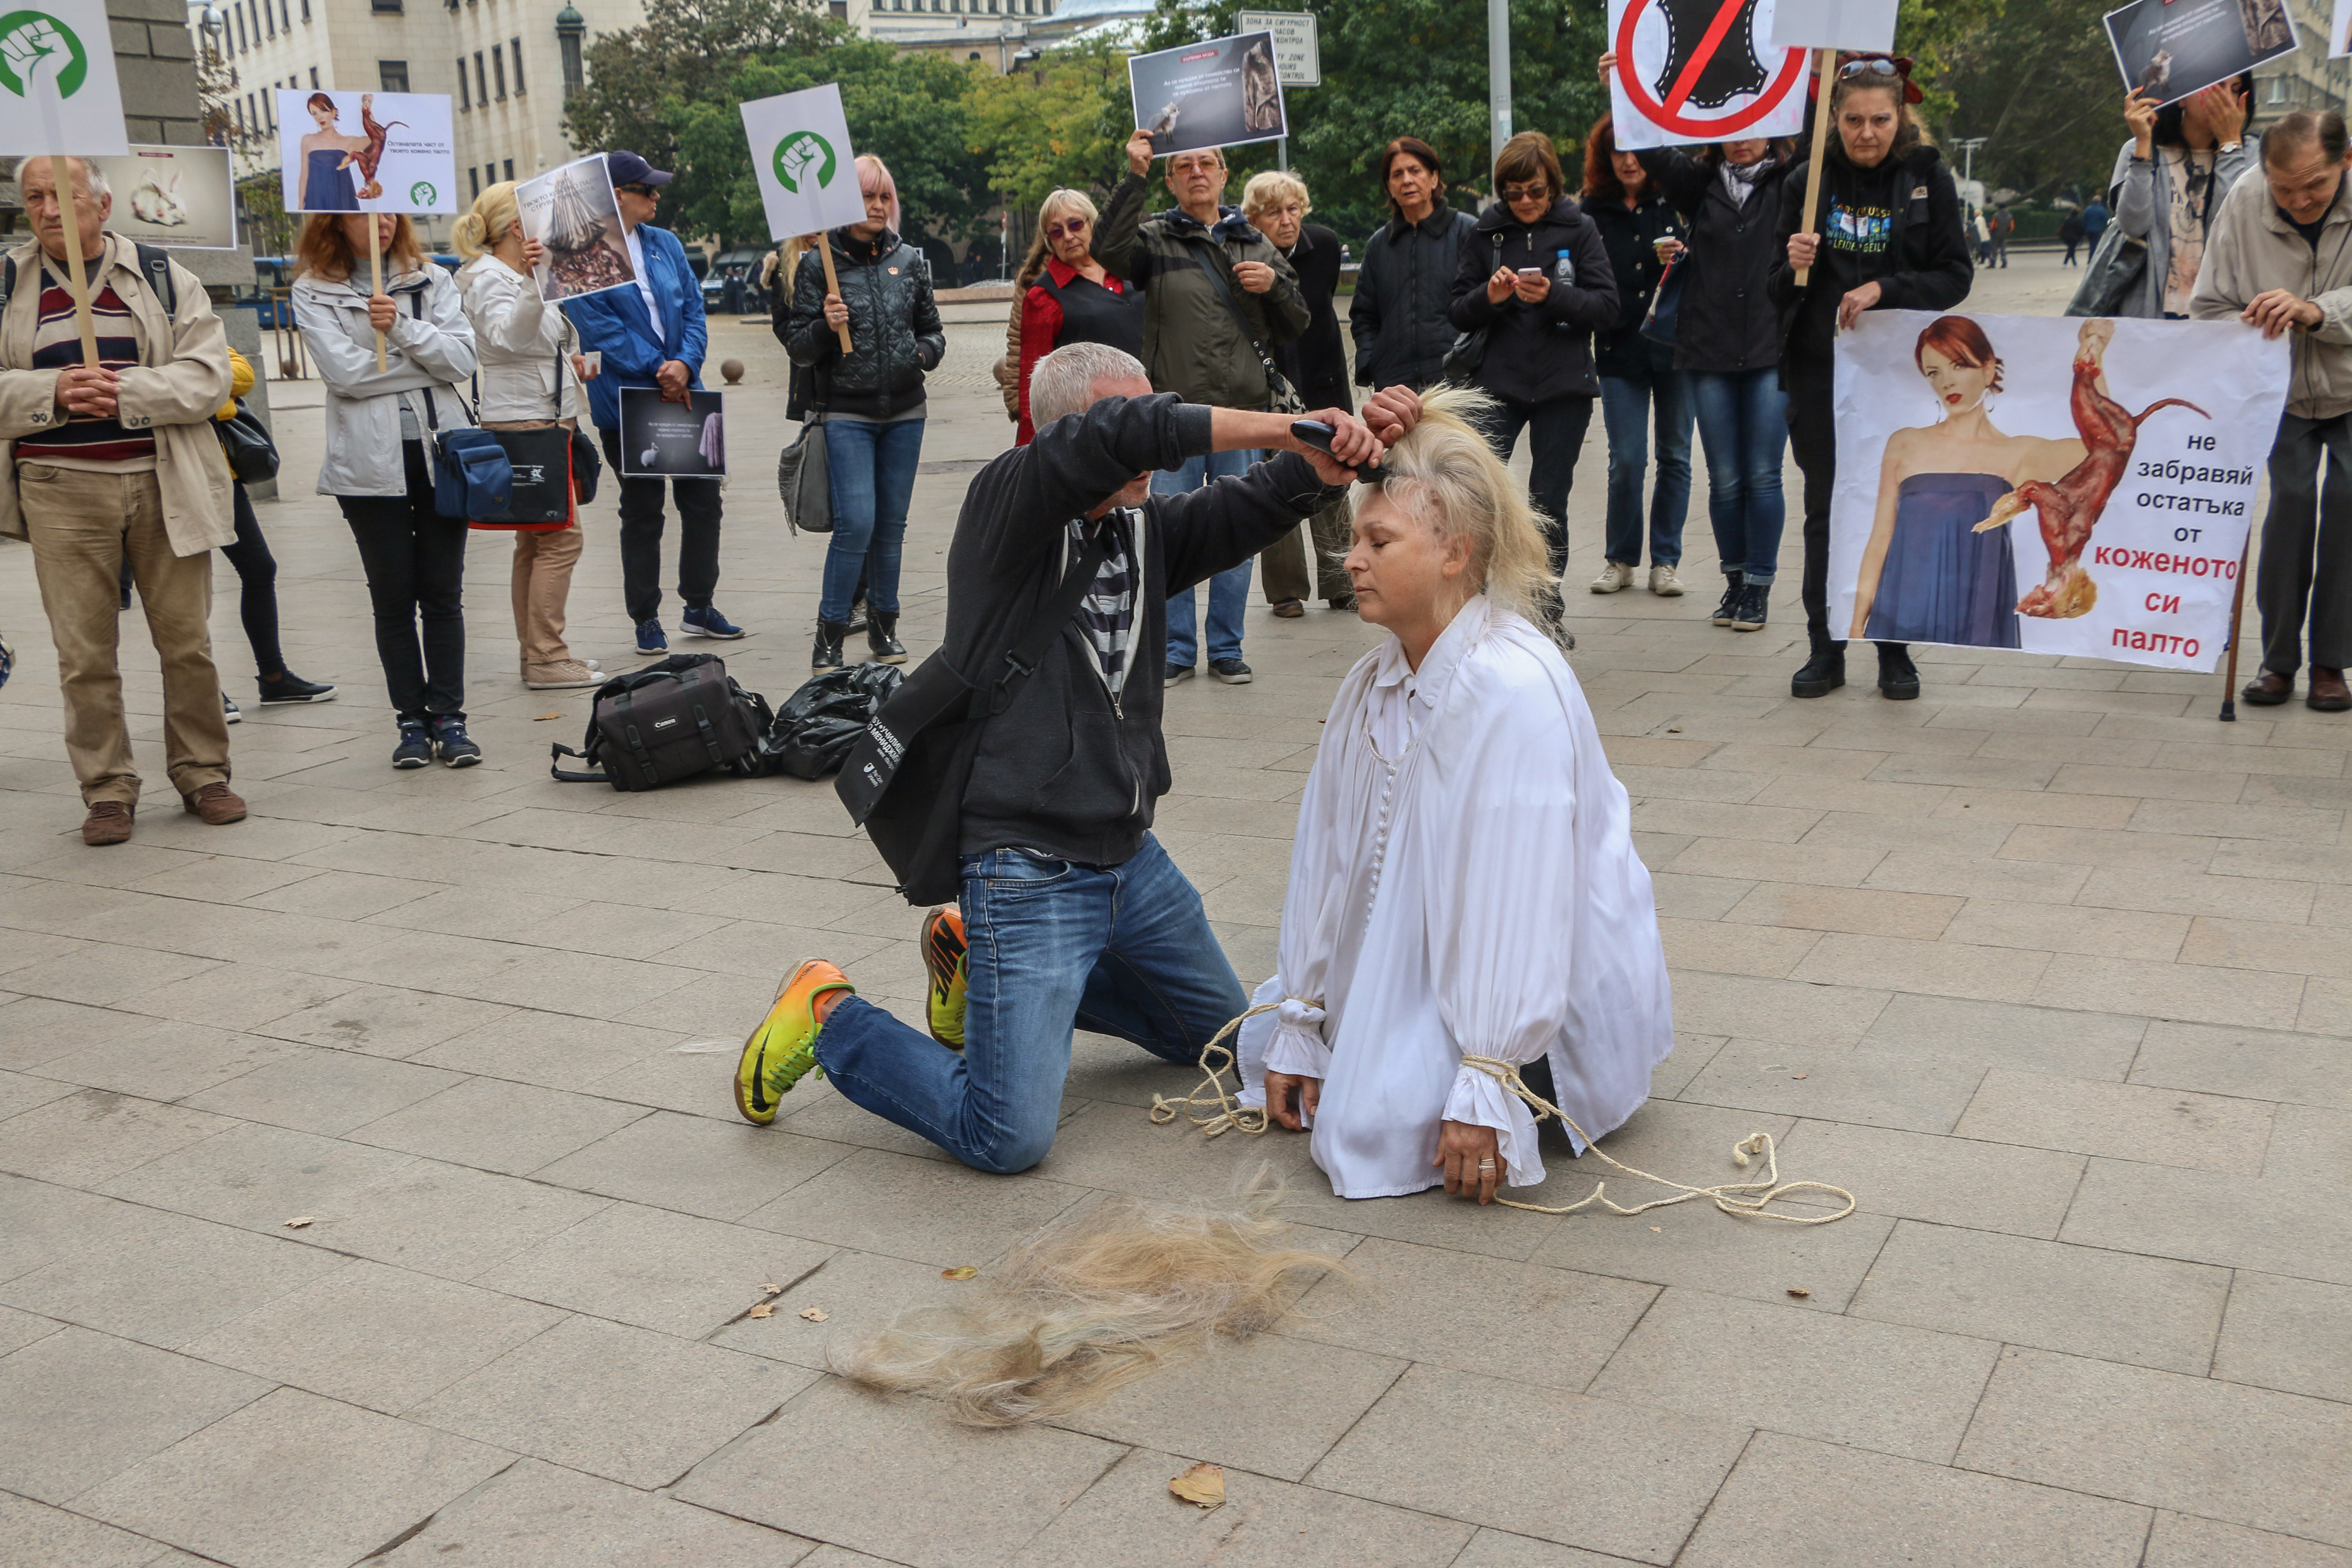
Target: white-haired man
1071, 913
114, 462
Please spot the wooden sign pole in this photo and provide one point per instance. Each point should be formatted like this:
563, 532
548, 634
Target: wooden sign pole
77, 284
1823, 128
2237, 620
375, 281
833, 283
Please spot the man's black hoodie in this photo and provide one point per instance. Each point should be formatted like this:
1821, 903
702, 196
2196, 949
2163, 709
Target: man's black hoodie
1896, 224
1066, 770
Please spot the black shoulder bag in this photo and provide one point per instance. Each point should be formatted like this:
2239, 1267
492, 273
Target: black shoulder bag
903, 780
1280, 397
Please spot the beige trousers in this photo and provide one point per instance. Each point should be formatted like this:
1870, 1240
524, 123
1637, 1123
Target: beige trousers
1285, 570
82, 526
543, 573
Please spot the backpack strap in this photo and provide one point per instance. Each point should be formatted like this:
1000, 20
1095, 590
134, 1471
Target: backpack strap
155, 266
1021, 659
8, 279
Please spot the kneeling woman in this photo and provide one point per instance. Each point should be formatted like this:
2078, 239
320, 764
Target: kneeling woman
1464, 880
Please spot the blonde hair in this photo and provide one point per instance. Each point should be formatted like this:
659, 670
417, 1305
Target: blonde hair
486, 223
1054, 206
1093, 1302
1444, 476
1272, 188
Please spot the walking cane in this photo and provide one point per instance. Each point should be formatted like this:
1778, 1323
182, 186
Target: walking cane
2237, 619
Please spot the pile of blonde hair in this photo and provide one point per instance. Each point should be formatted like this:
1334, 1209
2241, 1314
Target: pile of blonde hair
1445, 477
1092, 1302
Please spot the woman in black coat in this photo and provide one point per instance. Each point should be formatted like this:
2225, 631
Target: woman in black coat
1316, 366
1403, 289
1889, 237
1536, 276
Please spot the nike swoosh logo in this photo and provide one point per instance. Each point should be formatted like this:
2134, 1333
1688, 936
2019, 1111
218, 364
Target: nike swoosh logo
759, 1078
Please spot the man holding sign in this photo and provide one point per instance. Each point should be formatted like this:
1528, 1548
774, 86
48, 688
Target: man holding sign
112, 458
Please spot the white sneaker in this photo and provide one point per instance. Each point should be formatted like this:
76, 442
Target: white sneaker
1664, 584
1613, 576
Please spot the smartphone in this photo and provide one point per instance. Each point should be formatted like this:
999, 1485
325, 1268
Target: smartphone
1531, 271
1318, 435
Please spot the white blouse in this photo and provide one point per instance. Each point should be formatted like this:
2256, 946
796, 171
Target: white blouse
1464, 879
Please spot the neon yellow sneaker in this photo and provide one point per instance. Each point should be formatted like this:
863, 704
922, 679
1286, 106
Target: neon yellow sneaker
783, 1049
943, 962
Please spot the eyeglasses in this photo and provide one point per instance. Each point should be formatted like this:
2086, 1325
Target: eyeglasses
1073, 227
635, 190
1526, 193
1873, 65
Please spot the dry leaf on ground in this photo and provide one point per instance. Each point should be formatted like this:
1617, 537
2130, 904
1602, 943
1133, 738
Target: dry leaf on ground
966, 1272
1203, 1484
1800, 1295
816, 1314
772, 1289
545, 716
297, 1222
763, 1310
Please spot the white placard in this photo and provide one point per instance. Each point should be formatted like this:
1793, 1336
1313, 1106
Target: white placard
2119, 478
177, 196
571, 213
801, 153
57, 92
1220, 92
1681, 78
1297, 48
366, 151
1864, 26
2340, 31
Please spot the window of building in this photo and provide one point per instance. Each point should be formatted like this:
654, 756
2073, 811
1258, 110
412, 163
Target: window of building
491, 173
509, 167
237, 27
392, 75
306, 16
269, 19
391, 6
238, 105
481, 79
574, 77
285, 16
314, 79
515, 47
465, 88
499, 68
473, 181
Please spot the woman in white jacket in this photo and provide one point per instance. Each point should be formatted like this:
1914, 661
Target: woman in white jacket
379, 429
525, 385
1463, 881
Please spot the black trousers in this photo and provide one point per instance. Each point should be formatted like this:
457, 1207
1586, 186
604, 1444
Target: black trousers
256, 575
2307, 545
1813, 437
1555, 441
415, 563
641, 537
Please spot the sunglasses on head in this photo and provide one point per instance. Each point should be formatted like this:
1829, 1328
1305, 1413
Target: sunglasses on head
1875, 65
1075, 226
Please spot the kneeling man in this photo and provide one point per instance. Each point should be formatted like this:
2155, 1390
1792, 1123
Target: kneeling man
1072, 915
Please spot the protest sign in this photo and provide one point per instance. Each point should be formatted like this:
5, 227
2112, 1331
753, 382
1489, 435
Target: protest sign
177, 196
2005, 483
1701, 70
1221, 93
366, 151
1864, 26
672, 441
807, 173
571, 213
57, 92
2172, 47
2339, 30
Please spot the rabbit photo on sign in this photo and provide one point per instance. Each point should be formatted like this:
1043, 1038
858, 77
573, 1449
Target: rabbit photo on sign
159, 204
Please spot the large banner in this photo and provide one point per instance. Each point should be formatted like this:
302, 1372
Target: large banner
1221, 93
2054, 486
366, 151
1701, 70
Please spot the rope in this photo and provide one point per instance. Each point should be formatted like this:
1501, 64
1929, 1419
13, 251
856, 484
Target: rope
1751, 1200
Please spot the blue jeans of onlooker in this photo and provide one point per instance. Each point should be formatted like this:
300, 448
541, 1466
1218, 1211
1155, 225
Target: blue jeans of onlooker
1628, 396
872, 471
1743, 421
1124, 951
1228, 590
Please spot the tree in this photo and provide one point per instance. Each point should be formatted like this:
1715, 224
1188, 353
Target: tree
2038, 83
1062, 123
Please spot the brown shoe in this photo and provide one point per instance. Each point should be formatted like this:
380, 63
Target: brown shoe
2327, 691
2269, 688
215, 805
109, 822
1290, 609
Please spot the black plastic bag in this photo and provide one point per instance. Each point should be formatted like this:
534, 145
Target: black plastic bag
817, 725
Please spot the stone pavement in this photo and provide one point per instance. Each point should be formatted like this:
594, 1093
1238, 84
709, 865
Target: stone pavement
2038, 965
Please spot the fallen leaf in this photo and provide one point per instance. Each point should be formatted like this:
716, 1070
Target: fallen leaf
772, 1289
763, 1310
816, 1314
297, 1222
1203, 1484
1674, 729
966, 1272
1658, 1230
1800, 1075
545, 716
1800, 1295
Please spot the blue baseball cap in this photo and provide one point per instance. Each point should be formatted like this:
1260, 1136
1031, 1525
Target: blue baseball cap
628, 169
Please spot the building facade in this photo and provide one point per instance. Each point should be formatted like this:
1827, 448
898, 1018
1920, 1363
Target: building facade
2306, 79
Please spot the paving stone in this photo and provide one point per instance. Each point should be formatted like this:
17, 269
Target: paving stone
2310, 1141
36, 1029
2261, 1065
18, 1330
246, 1488
554, 1050
2289, 1334
962, 1498
165, 1061
671, 1272
76, 1407
22, 1092
1949, 1181
1776, 1010
323, 1090
35, 1535
385, 1020
1876, 1089
858, 1292
2180, 1541
723, 1170
1499, 1549
2150, 1311
2127, 1121
162, 1279
2279, 1226
1554, 1438
2245, 1456
257, 1176
919, 1209
513, 1128
384, 1337
1793, 1503
2001, 1033
83, 1137
1126, 1517
535, 1515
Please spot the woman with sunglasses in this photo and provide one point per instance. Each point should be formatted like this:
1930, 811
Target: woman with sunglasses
1063, 295
1888, 237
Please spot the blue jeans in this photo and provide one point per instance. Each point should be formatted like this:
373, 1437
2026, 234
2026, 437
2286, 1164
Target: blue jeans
1743, 420
1228, 590
1627, 398
871, 470
1125, 950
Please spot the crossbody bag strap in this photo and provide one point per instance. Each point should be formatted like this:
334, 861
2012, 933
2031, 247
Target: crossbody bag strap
1225, 291
1023, 658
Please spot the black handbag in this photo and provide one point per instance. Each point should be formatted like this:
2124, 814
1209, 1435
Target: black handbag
804, 478
904, 781
586, 466
1464, 360
2119, 266
1665, 306
672, 720
1280, 397
245, 441
542, 480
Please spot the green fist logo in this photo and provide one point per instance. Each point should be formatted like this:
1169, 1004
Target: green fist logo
422, 194
35, 46
800, 154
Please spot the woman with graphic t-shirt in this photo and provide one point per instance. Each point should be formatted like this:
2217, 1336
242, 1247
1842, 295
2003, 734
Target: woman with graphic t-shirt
1889, 237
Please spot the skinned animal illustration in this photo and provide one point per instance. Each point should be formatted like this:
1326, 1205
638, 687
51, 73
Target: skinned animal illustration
1261, 91
368, 157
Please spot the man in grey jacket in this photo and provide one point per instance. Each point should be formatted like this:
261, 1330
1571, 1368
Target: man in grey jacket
2280, 258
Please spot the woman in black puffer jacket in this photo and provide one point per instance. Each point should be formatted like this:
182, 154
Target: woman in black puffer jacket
1536, 275
872, 403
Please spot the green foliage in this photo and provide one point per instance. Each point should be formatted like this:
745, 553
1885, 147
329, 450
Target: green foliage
1060, 124
2038, 81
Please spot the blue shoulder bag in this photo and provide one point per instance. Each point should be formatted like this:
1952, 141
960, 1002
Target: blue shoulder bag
472, 477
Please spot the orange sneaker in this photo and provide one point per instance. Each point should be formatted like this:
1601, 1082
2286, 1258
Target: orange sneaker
943, 963
783, 1049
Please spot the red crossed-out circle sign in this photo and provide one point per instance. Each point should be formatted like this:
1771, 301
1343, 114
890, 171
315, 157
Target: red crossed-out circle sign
1670, 114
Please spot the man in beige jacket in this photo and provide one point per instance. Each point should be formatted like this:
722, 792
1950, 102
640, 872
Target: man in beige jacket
101, 463
2279, 256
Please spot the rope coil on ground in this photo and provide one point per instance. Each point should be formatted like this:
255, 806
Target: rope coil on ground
1747, 1200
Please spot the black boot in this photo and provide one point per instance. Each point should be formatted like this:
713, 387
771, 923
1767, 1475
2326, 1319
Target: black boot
1824, 673
1731, 585
882, 637
827, 653
1898, 678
